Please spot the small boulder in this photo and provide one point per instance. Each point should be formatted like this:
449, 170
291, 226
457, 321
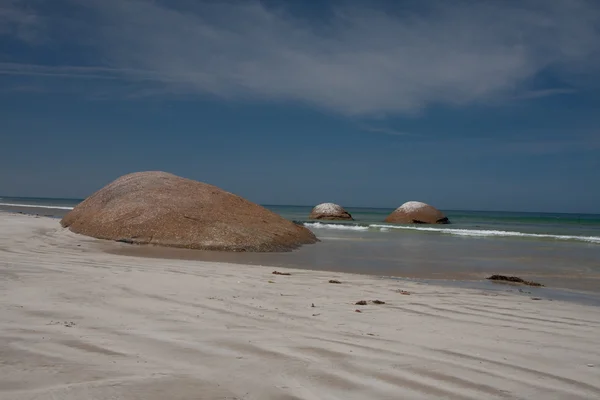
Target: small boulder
415, 212
330, 211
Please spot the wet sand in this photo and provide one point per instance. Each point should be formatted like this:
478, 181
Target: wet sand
80, 323
36, 211
430, 257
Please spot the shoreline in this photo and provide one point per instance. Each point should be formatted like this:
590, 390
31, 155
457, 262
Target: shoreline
321, 257
34, 211
472, 281
82, 323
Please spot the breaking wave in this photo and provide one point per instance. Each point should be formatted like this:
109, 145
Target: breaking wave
35, 206
343, 227
450, 231
491, 233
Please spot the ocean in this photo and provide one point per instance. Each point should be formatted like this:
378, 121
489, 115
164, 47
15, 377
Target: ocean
558, 250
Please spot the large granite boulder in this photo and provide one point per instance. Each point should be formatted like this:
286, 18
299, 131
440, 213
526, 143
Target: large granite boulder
163, 209
415, 212
330, 211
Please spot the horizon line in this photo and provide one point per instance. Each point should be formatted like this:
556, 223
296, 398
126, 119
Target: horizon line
355, 207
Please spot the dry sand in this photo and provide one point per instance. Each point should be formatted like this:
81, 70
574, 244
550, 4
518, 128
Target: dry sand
78, 323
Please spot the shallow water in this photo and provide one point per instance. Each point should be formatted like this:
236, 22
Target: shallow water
425, 256
558, 250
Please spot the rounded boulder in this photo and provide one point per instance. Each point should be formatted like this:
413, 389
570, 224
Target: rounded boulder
162, 209
330, 211
415, 212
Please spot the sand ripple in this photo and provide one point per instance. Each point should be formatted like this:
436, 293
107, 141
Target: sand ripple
80, 323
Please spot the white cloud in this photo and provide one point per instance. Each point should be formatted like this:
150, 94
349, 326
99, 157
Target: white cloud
359, 61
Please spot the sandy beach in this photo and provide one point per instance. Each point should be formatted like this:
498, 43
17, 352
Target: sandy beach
80, 323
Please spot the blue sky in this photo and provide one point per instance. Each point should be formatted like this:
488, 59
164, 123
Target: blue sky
464, 105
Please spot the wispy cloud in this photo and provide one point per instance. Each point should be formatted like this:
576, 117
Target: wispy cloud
536, 94
358, 61
60, 71
545, 147
82, 72
526, 143
19, 19
387, 131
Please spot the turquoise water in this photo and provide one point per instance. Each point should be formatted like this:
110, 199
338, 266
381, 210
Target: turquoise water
39, 202
525, 225
559, 250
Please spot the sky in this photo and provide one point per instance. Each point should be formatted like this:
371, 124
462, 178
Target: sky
477, 105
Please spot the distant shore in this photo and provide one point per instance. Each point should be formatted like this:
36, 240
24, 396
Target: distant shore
79, 322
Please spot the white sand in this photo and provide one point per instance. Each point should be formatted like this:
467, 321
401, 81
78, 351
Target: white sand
77, 323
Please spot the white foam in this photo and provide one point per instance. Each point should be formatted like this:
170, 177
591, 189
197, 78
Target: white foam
318, 225
35, 206
487, 233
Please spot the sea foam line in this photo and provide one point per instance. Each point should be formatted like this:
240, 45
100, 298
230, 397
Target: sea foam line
319, 225
35, 206
487, 233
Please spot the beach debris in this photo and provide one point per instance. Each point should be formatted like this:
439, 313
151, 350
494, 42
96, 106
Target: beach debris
365, 302
590, 365
334, 281
404, 292
512, 279
357, 310
313, 305
271, 281
536, 298
316, 315
67, 324
280, 273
